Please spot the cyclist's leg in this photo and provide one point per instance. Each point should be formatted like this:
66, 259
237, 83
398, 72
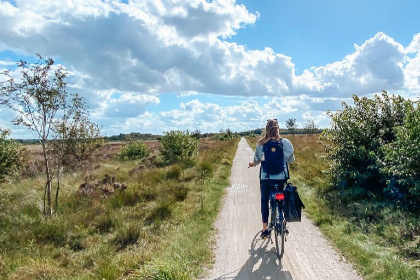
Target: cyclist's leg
265, 195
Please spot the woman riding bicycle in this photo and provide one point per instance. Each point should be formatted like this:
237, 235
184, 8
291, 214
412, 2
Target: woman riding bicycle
271, 133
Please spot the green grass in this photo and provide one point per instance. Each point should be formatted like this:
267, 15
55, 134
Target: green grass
159, 227
380, 241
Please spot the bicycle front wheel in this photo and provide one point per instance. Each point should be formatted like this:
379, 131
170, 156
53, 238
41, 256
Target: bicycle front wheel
279, 233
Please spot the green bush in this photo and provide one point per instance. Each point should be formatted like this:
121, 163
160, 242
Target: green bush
353, 142
401, 163
228, 135
133, 151
11, 155
205, 170
78, 140
178, 146
374, 147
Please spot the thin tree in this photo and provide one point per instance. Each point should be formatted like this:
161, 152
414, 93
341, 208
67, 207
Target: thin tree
291, 125
38, 97
310, 127
75, 137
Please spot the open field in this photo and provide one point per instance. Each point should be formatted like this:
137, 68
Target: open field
159, 223
137, 231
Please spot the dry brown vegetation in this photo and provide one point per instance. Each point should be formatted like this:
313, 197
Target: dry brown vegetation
116, 219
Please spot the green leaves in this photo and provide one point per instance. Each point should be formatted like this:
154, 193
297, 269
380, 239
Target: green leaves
133, 151
401, 161
178, 145
10, 155
375, 145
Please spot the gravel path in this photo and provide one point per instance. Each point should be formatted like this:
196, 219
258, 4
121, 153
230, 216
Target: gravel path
241, 254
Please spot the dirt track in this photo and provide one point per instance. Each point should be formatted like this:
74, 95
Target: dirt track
241, 254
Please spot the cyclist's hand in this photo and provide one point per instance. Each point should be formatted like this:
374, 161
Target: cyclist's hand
251, 164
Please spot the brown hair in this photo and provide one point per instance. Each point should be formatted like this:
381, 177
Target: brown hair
271, 132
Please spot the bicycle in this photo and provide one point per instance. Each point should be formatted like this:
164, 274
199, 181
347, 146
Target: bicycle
278, 223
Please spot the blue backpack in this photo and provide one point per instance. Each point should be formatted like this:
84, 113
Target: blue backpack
273, 163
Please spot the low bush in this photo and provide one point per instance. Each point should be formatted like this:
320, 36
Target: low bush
178, 146
133, 151
11, 155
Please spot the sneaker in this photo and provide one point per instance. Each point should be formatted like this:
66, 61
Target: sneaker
265, 234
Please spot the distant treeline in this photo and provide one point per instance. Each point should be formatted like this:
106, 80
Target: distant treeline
137, 136
284, 131
133, 136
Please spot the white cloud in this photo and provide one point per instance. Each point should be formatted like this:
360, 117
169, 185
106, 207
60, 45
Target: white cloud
374, 66
246, 115
8, 64
127, 105
178, 46
412, 67
126, 57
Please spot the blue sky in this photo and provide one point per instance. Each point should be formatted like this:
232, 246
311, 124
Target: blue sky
151, 66
317, 32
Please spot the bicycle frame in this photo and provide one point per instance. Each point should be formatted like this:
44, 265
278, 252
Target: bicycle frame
278, 221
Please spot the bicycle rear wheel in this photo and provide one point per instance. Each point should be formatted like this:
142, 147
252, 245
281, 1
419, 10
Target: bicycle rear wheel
279, 234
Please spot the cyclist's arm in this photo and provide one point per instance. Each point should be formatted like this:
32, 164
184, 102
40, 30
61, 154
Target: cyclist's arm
288, 151
257, 156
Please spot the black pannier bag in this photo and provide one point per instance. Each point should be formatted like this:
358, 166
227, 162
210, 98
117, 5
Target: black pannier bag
292, 204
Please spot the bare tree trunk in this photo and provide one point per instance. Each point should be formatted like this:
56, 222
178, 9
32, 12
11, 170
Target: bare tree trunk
58, 186
48, 184
44, 211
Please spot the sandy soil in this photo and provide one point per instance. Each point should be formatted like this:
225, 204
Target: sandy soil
241, 254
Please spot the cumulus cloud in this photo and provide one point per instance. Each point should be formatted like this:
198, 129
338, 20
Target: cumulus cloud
412, 67
155, 47
127, 105
375, 65
124, 57
145, 46
241, 116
